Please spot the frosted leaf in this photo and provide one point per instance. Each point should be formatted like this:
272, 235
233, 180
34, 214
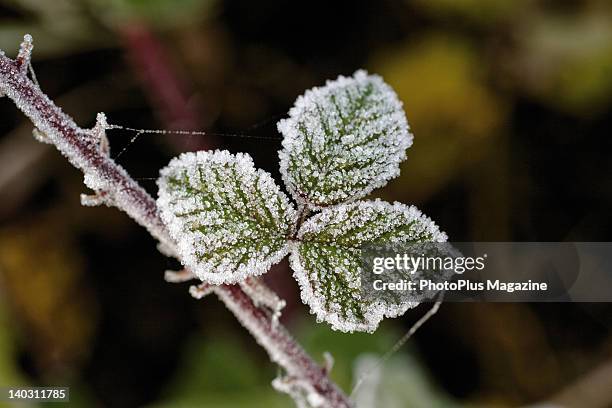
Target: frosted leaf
229, 220
343, 140
327, 261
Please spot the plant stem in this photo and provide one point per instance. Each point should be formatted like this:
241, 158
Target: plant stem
303, 212
281, 346
84, 148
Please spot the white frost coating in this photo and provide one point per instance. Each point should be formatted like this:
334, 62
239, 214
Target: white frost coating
262, 295
200, 291
262, 335
300, 391
40, 136
183, 275
25, 53
78, 146
343, 140
93, 200
99, 132
73, 142
335, 236
229, 220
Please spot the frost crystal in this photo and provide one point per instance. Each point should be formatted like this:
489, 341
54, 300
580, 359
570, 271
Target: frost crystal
200, 291
184, 275
343, 140
327, 261
40, 136
99, 132
229, 220
25, 53
301, 391
262, 295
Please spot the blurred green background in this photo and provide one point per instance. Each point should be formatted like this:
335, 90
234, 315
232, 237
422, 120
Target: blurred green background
510, 102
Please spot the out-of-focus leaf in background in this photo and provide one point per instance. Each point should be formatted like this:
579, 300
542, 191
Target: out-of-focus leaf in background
66, 26
398, 383
42, 274
509, 102
160, 13
70, 26
480, 12
346, 347
441, 82
406, 383
9, 371
566, 60
221, 372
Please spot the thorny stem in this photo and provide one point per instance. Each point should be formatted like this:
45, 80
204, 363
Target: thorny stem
285, 351
82, 148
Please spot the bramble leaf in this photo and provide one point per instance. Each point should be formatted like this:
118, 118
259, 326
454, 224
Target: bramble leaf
343, 140
229, 219
327, 262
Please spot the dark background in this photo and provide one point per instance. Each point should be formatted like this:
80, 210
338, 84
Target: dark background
510, 105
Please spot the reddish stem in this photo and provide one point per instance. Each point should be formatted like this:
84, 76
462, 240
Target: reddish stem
83, 150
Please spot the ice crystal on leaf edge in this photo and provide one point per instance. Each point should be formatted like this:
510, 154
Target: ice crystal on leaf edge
229, 219
327, 260
343, 140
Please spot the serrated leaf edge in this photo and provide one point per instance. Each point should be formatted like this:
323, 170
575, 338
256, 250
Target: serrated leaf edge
186, 254
287, 128
375, 312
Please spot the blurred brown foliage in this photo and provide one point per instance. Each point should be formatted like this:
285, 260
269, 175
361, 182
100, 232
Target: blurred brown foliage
510, 102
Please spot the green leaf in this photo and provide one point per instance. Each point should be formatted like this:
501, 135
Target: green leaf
229, 220
327, 260
343, 140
